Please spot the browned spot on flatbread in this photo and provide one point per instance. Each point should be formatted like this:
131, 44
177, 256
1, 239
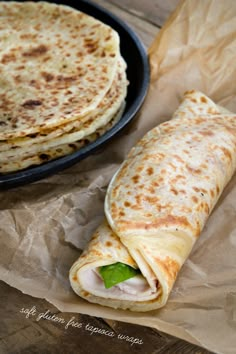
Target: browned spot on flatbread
170, 268
108, 243
31, 104
226, 152
212, 193
194, 170
136, 178
151, 200
203, 99
85, 293
150, 171
174, 191
36, 52
44, 157
206, 133
6, 58
47, 76
167, 221
206, 208
121, 213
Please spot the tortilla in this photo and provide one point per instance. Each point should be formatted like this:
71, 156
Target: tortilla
157, 205
56, 65
31, 160
100, 117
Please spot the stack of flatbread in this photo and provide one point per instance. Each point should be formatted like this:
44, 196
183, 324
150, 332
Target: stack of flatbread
156, 206
62, 82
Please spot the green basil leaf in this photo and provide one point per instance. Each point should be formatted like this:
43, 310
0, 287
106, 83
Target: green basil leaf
113, 274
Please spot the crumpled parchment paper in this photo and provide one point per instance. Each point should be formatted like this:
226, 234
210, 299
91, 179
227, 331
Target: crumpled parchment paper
45, 225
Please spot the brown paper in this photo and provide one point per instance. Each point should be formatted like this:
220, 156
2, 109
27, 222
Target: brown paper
45, 225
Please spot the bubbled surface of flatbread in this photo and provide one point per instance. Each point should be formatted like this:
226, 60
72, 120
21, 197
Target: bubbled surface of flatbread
56, 64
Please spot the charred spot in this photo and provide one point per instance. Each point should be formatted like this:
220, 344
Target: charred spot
62, 78
127, 204
112, 55
2, 123
108, 244
47, 76
31, 104
36, 52
44, 157
33, 135
91, 49
73, 146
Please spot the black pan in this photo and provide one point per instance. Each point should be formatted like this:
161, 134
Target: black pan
138, 75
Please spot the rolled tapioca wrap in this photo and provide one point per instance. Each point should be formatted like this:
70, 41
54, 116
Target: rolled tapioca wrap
156, 207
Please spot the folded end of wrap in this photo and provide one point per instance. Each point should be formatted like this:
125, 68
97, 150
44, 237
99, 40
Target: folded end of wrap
148, 291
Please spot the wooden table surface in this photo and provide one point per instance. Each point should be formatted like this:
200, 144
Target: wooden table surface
19, 334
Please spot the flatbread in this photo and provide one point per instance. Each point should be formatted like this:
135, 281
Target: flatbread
159, 201
99, 116
56, 65
79, 130
44, 156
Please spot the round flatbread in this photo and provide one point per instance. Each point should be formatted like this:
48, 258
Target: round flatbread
40, 157
56, 65
26, 146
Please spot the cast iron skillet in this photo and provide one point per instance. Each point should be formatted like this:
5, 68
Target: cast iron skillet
138, 75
